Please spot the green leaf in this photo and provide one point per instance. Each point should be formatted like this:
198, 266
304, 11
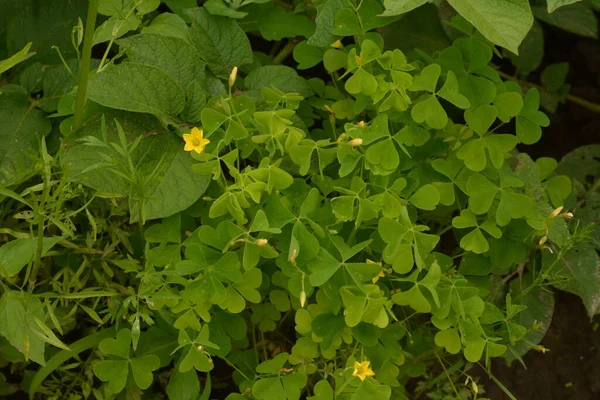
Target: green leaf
372, 390
15, 254
16, 58
449, 339
22, 127
325, 22
430, 110
308, 56
45, 23
577, 18
322, 391
273, 365
397, 7
482, 193
582, 265
554, 76
426, 198
449, 92
219, 41
138, 88
276, 23
554, 4
285, 387
183, 385
531, 50
173, 188
481, 118
504, 23
115, 372
169, 25
18, 311
509, 105
530, 119
327, 326
142, 368
280, 77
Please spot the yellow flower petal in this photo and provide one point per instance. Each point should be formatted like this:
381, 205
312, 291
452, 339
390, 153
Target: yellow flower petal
362, 370
194, 141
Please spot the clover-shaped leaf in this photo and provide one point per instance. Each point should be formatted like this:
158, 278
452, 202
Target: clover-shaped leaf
473, 153
414, 297
530, 119
322, 390
475, 241
449, 339
115, 372
480, 119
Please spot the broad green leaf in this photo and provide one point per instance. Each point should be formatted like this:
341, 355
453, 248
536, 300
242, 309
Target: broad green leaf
138, 88
169, 25
280, 77
117, 25
397, 7
219, 41
554, 4
582, 265
22, 127
276, 23
481, 118
45, 23
18, 311
16, 58
15, 254
325, 23
531, 50
503, 22
173, 188
577, 18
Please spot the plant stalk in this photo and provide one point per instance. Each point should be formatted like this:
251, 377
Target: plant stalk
283, 53
84, 67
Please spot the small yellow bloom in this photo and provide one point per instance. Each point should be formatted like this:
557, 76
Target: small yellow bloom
541, 349
379, 275
195, 140
362, 370
337, 44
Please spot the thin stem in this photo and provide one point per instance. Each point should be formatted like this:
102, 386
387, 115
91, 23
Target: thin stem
577, 100
84, 68
283, 53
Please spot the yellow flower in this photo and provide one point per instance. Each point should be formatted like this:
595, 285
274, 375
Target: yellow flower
195, 140
381, 274
362, 370
337, 44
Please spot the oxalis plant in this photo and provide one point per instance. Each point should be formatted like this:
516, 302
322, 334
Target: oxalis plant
187, 218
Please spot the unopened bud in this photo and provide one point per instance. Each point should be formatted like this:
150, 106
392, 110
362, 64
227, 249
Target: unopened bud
474, 387
293, 255
355, 142
541, 349
543, 240
567, 215
261, 242
361, 124
557, 211
302, 298
200, 348
328, 109
373, 262
341, 138
337, 44
233, 76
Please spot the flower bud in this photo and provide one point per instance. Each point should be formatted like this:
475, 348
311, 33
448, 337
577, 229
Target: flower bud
567, 215
292, 258
543, 240
261, 242
337, 44
302, 298
341, 138
200, 348
474, 387
355, 142
361, 124
328, 109
233, 76
557, 211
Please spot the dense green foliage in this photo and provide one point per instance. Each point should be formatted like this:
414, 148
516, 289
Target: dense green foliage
190, 208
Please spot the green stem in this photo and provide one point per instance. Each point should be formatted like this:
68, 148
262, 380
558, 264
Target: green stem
577, 100
283, 53
84, 69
